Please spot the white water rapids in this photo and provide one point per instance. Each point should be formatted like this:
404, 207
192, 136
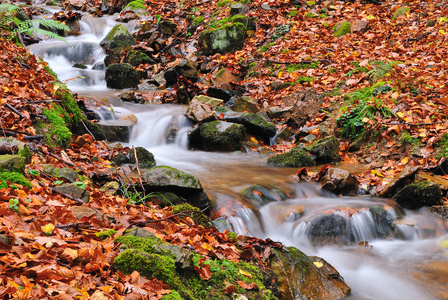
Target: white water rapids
411, 266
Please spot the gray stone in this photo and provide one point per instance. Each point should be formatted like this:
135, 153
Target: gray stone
199, 112
339, 181
144, 157
208, 100
118, 39
260, 195
74, 191
224, 39
360, 26
295, 158
83, 211
222, 136
122, 76
117, 130
259, 126
163, 177
325, 150
245, 104
110, 187
66, 173
136, 57
238, 9
168, 27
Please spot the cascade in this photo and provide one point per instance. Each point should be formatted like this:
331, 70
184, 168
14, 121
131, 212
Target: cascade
376, 247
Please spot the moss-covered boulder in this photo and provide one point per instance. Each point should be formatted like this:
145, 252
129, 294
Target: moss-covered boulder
261, 195
14, 146
341, 28
246, 21
12, 163
163, 177
259, 126
168, 27
117, 40
325, 150
66, 173
74, 191
295, 158
145, 158
401, 11
136, 57
306, 277
221, 136
420, 194
122, 76
224, 39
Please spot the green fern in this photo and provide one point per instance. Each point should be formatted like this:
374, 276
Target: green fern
381, 68
28, 27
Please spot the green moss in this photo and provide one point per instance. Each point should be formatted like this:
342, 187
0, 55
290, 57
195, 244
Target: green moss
148, 245
443, 146
220, 72
400, 12
193, 212
105, 234
223, 3
295, 67
137, 4
310, 3
14, 177
341, 28
295, 158
73, 112
57, 128
232, 235
183, 207
303, 79
26, 153
407, 139
293, 13
172, 296
198, 20
51, 72
311, 15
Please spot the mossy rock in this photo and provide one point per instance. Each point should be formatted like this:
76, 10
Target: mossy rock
222, 136
164, 177
227, 38
341, 28
136, 57
168, 27
325, 150
145, 158
12, 163
118, 39
295, 158
400, 12
105, 234
261, 195
246, 21
122, 76
420, 194
259, 126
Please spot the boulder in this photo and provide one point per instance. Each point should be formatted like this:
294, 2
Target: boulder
405, 176
238, 9
208, 100
122, 76
135, 58
339, 181
14, 146
306, 277
66, 173
118, 39
163, 177
328, 229
259, 126
223, 94
111, 187
198, 111
116, 130
245, 104
221, 136
224, 77
12, 163
261, 195
144, 157
74, 191
248, 22
326, 150
168, 27
224, 39
184, 67
295, 158
183, 96
420, 194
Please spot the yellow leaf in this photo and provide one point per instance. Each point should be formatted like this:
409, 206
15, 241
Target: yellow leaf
442, 31
280, 74
242, 272
422, 134
254, 140
47, 229
404, 160
5, 89
365, 120
207, 246
3, 101
444, 244
400, 114
318, 264
375, 172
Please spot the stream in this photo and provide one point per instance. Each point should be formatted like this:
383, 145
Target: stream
408, 264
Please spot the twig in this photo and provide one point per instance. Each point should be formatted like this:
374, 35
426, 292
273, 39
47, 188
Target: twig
43, 101
138, 169
85, 126
14, 110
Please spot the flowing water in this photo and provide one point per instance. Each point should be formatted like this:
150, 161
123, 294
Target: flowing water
406, 262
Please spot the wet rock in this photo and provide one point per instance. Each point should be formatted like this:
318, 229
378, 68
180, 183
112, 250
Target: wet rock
117, 130
285, 134
238, 9
122, 76
66, 173
417, 195
12, 163
308, 139
74, 191
221, 136
127, 16
295, 158
166, 199
144, 157
118, 39
384, 221
183, 96
259, 126
12, 145
79, 66
163, 177
325, 150
306, 277
171, 133
328, 229
360, 26
101, 66
111, 187
248, 22
405, 176
184, 67
261, 195
75, 4
224, 39
168, 27
245, 104
136, 57
339, 181
199, 112
440, 210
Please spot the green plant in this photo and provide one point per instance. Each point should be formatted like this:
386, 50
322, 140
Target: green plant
294, 67
198, 20
280, 31
223, 3
293, 13
16, 27
14, 204
381, 68
443, 145
356, 70
158, 18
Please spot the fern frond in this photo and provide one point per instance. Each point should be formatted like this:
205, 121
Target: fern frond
8, 7
49, 23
